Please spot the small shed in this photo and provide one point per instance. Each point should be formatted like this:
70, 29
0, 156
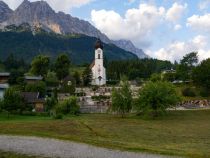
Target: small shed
4, 77
33, 99
33, 79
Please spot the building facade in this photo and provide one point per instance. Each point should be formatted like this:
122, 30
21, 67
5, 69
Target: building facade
97, 67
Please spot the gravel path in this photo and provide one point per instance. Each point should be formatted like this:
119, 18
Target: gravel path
62, 149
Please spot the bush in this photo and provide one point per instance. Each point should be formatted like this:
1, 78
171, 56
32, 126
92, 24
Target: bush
58, 116
204, 92
122, 99
188, 92
156, 97
100, 97
69, 106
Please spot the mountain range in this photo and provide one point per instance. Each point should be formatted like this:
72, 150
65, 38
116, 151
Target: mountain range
40, 15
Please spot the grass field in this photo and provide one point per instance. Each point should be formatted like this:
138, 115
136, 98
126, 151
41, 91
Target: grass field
184, 133
13, 155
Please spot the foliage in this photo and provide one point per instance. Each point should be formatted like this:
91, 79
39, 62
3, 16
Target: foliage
36, 87
188, 92
201, 74
122, 99
51, 79
134, 69
69, 106
100, 97
12, 63
50, 103
77, 78
16, 77
13, 102
87, 76
155, 77
156, 97
79, 48
186, 66
40, 65
170, 77
62, 65
204, 92
68, 87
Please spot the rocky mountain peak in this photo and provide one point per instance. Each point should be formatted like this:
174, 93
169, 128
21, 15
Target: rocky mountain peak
5, 11
40, 15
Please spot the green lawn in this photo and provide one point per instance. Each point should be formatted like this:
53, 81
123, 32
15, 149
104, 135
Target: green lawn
13, 155
185, 133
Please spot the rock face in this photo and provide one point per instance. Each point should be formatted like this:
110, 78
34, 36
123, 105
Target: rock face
5, 11
128, 45
40, 14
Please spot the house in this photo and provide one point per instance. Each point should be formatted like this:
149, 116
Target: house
3, 87
33, 79
4, 77
33, 99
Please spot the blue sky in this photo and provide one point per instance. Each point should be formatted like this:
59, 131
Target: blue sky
164, 29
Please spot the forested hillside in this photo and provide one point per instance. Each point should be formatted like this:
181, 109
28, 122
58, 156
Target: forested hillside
80, 48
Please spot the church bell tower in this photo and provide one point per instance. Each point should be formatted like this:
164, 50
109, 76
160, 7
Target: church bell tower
98, 70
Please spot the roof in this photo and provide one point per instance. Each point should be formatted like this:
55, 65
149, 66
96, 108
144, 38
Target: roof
31, 97
33, 77
99, 44
4, 86
4, 74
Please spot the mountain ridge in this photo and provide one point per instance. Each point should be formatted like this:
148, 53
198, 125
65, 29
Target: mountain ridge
40, 14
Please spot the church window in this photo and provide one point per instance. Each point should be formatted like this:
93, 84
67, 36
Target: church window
99, 56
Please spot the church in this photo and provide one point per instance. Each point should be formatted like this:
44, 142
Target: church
97, 67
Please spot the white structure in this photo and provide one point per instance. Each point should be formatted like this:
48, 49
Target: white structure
97, 67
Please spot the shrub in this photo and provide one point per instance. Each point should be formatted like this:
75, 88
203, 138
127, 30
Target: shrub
69, 106
204, 92
122, 99
58, 116
156, 97
188, 92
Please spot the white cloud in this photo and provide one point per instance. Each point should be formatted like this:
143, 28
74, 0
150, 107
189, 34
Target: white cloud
199, 23
175, 12
58, 5
177, 27
204, 4
176, 50
136, 25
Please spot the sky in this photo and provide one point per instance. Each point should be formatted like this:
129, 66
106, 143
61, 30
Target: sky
164, 29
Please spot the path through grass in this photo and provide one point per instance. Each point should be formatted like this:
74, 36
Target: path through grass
185, 133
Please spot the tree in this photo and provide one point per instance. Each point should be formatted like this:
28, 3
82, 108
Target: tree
40, 65
186, 66
87, 76
15, 76
155, 77
69, 106
122, 99
51, 79
62, 65
201, 74
13, 102
37, 87
77, 78
156, 97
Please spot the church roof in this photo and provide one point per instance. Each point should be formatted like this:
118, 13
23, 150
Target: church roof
99, 44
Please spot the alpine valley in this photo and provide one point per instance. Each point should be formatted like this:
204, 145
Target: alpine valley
35, 28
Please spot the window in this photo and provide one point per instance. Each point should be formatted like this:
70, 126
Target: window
99, 56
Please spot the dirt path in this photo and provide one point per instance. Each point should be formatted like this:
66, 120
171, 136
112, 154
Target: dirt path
64, 149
